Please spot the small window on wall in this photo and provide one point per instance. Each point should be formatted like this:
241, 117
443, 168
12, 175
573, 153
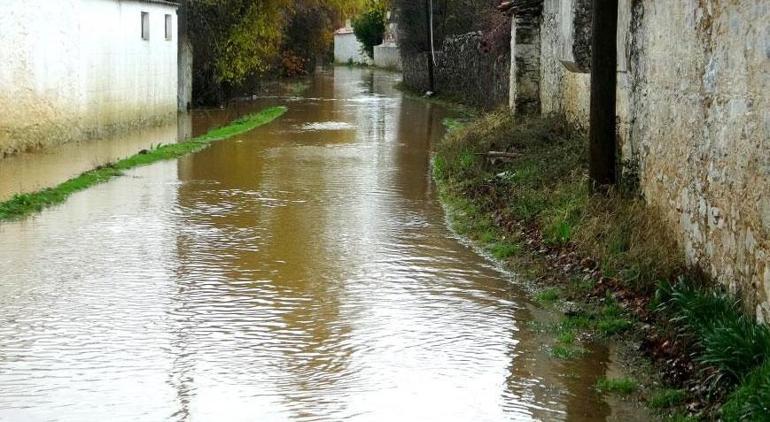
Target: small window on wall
169, 25
145, 26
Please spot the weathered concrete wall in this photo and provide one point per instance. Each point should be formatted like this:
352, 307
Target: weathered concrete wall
387, 56
693, 112
347, 48
75, 69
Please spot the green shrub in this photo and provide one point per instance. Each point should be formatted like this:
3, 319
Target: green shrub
369, 26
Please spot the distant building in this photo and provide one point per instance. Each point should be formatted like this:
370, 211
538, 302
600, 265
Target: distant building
347, 48
387, 54
76, 69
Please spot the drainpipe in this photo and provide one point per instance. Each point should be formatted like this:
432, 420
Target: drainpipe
604, 61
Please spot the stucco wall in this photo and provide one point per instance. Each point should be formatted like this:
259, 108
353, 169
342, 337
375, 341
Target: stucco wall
694, 113
347, 48
75, 69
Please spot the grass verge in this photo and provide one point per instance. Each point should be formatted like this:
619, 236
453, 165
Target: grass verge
518, 188
22, 205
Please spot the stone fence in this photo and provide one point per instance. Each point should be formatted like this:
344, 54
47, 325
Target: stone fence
464, 70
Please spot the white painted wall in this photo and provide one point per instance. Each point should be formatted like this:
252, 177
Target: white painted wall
387, 56
347, 48
73, 69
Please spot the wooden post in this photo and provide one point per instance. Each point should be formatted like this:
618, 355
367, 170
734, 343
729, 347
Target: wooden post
429, 36
604, 60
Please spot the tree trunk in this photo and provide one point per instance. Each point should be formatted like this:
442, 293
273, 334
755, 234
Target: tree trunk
603, 149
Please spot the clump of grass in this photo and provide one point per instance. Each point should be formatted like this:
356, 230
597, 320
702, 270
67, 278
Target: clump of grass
566, 331
751, 401
667, 397
548, 295
625, 235
503, 250
622, 386
612, 319
567, 351
730, 344
452, 123
24, 204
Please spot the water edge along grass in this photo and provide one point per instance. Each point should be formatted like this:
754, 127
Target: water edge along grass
518, 188
25, 204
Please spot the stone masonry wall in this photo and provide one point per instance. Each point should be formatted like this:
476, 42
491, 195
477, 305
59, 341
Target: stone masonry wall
463, 69
700, 113
562, 91
694, 113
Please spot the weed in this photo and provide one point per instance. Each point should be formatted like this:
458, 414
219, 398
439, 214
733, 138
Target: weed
612, 320
549, 295
750, 402
503, 250
730, 343
668, 397
567, 351
623, 386
451, 123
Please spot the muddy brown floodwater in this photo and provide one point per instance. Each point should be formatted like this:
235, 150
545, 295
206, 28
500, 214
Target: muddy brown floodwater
300, 272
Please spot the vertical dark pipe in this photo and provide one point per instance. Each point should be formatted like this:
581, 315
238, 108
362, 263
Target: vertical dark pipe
428, 36
603, 149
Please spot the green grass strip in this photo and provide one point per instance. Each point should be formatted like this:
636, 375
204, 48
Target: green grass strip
25, 204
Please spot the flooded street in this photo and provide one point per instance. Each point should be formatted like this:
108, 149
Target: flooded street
300, 272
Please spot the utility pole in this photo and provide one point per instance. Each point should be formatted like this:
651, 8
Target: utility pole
604, 61
428, 40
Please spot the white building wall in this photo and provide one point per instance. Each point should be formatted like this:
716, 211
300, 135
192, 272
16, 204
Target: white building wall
74, 69
387, 56
348, 49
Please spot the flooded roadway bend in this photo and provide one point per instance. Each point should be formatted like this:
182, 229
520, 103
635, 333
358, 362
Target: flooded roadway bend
301, 272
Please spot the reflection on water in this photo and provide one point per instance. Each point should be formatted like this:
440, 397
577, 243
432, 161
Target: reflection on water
30, 172
299, 272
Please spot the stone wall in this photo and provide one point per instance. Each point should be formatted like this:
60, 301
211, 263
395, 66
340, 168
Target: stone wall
77, 69
463, 69
563, 89
700, 113
415, 70
693, 112
524, 90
